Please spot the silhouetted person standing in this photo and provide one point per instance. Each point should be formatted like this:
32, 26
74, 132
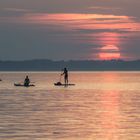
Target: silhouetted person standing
65, 73
26, 81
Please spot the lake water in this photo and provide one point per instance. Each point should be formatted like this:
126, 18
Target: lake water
102, 106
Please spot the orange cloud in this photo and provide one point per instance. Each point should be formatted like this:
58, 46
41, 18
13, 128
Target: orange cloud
83, 21
102, 30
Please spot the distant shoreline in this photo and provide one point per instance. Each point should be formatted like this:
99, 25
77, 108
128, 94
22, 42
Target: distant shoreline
44, 65
72, 71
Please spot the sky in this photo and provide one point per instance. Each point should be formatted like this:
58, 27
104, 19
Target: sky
69, 29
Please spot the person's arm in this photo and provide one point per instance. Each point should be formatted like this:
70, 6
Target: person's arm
62, 73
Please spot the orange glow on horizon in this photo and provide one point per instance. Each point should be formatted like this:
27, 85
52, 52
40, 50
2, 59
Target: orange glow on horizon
84, 21
105, 30
70, 16
109, 52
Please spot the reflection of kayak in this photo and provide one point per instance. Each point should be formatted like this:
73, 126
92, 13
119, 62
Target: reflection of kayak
21, 85
60, 84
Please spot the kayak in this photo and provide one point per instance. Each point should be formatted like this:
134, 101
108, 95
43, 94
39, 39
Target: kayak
21, 85
58, 84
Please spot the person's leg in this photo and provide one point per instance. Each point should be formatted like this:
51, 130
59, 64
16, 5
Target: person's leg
67, 80
25, 84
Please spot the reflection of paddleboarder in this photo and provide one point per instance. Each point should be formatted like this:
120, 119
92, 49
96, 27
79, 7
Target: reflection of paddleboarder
65, 73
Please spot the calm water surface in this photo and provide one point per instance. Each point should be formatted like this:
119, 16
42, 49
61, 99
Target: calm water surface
102, 106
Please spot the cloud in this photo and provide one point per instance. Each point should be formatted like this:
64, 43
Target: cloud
83, 21
71, 19
68, 32
104, 8
16, 10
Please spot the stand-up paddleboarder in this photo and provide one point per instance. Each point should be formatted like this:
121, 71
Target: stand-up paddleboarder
65, 73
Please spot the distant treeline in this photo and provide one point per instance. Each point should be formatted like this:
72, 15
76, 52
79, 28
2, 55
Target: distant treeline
73, 65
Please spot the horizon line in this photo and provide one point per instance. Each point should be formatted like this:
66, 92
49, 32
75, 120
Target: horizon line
46, 59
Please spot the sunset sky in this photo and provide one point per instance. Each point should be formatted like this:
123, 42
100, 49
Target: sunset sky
69, 29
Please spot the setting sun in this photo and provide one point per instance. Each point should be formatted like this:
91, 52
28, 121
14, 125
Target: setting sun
109, 52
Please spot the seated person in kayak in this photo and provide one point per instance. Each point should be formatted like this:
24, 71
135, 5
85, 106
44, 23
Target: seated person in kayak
26, 81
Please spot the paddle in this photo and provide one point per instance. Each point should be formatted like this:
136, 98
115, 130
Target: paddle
60, 78
23, 82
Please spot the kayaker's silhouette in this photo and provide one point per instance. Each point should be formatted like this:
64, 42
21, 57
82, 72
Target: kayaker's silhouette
26, 81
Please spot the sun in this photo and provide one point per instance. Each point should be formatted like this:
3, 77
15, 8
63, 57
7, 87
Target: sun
109, 52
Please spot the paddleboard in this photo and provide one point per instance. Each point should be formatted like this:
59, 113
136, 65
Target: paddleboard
21, 85
56, 84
